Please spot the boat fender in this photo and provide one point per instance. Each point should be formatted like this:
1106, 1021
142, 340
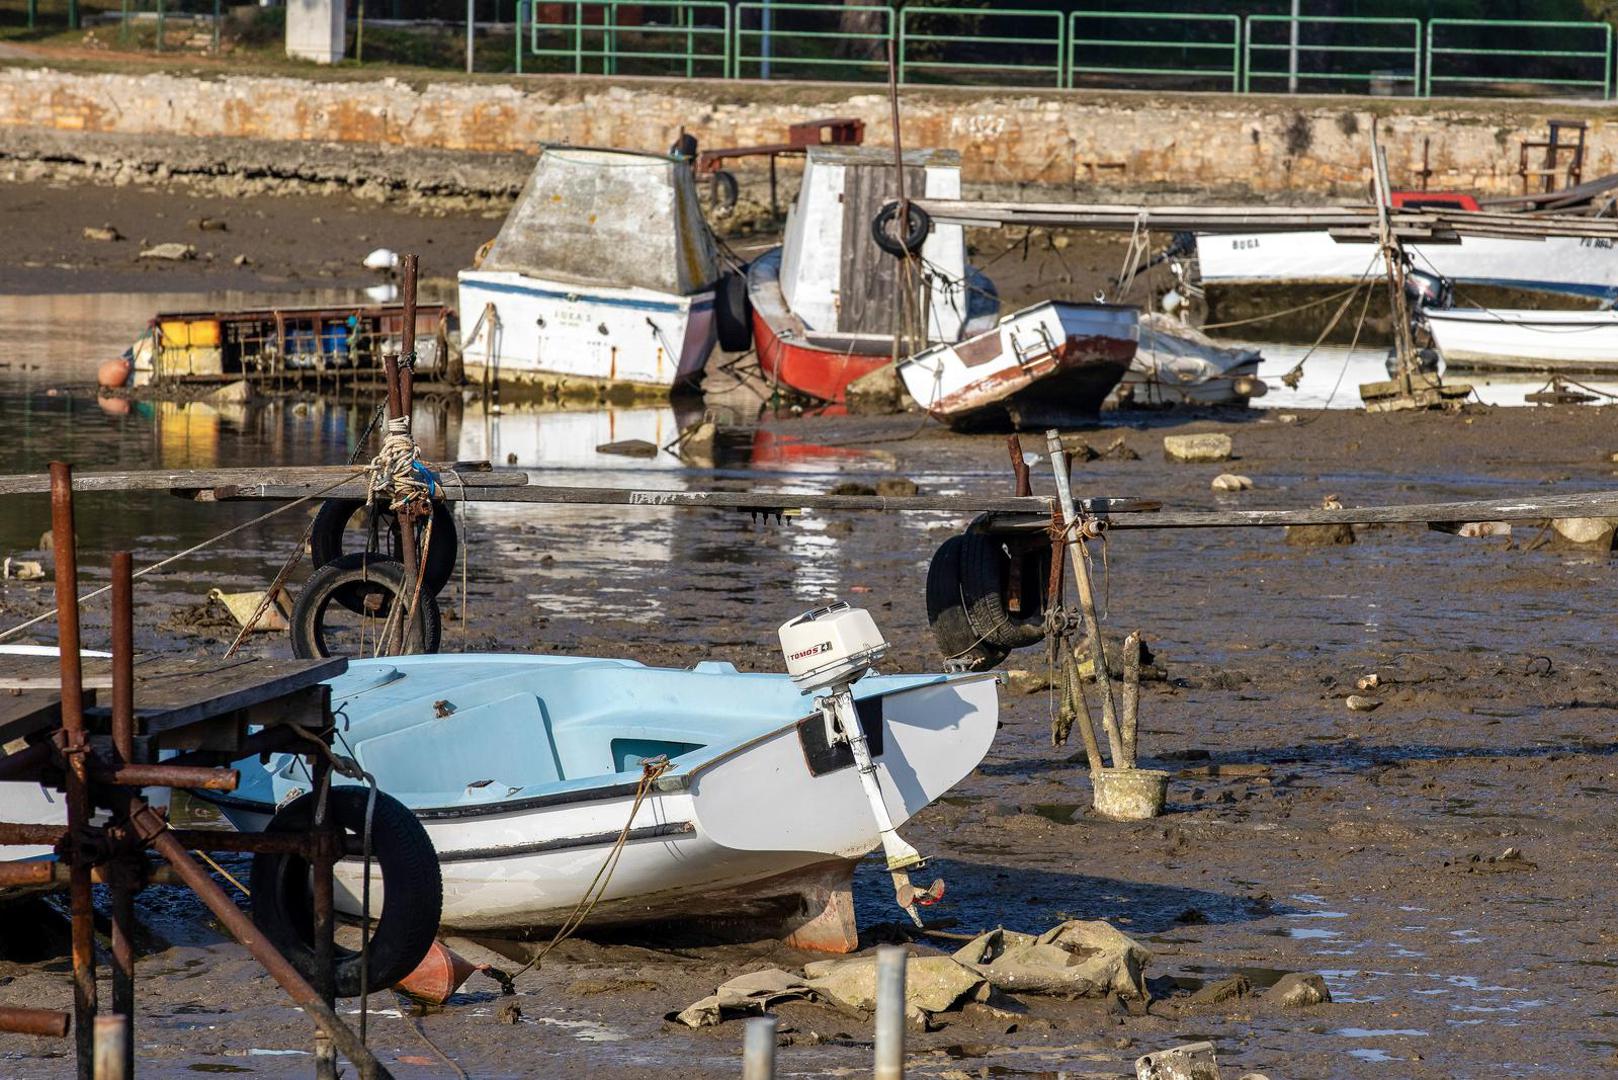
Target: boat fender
331, 521
412, 890
919, 225
348, 580
733, 313
985, 570
947, 615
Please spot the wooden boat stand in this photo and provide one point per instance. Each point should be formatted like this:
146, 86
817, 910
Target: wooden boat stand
103, 757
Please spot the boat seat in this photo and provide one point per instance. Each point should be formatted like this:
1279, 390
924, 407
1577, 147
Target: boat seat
507, 741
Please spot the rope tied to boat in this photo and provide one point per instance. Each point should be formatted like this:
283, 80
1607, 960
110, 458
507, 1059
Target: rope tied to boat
650, 770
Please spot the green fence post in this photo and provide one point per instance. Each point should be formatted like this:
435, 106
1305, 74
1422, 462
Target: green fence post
216, 26
32, 4
160, 25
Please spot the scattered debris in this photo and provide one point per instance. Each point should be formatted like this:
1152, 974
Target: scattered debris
208, 224
510, 1013
1073, 959
1228, 989
1299, 990
1508, 861
241, 260
104, 233
1194, 449
852, 488
697, 442
1193, 1061
242, 605
876, 393
173, 252
1361, 703
1472, 530
637, 448
21, 570
1232, 482
897, 488
933, 984
745, 995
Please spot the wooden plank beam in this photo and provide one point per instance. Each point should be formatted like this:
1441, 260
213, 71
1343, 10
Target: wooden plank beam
308, 478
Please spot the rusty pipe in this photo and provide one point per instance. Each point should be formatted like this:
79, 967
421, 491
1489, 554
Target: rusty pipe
81, 903
46, 872
123, 656
48, 1022
178, 776
242, 929
32, 872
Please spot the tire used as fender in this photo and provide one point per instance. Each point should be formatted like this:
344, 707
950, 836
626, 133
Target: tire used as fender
723, 191
986, 570
331, 522
412, 890
918, 225
947, 615
346, 581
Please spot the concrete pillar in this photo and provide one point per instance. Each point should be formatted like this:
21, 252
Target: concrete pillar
316, 30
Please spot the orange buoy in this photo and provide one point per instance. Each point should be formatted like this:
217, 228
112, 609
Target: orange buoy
440, 973
114, 373
114, 406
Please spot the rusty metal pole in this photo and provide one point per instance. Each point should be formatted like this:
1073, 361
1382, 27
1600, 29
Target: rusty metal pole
401, 400
114, 1049
321, 885
81, 902
125, 870
407, 344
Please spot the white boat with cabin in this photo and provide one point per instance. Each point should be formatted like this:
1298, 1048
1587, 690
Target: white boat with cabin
603, 275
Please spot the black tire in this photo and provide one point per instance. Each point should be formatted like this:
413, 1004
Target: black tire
723, 191
883, 228
733, 312
946, 613
986, 571
412, 890
331, 521
348, 581
684, 147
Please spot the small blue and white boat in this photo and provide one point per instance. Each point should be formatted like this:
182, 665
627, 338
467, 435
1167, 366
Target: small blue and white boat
525, 769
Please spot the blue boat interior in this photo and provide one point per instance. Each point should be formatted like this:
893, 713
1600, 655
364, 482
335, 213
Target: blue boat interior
453, 730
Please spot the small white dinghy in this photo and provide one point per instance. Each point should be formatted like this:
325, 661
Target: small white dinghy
1503, 339
754, 807
1177, 364
1052, 363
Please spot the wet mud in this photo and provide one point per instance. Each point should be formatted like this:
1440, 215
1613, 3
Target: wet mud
1370, 847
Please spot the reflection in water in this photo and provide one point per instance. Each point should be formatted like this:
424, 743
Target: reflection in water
1332, 378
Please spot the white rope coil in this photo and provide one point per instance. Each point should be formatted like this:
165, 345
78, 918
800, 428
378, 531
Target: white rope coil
396, 474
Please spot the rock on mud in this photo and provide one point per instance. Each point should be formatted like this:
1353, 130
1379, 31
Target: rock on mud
1299, 990
878, 393
1231, 482
896, 487
170, 252
1361, 703
1192, 449
1586, 532
104, 233
1320, 535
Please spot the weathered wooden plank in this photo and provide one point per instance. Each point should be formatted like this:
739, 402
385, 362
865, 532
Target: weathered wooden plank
868, 280
23, 713
311, 478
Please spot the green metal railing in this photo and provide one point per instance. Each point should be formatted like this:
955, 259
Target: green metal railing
1329, 58
1480, 41
1145, 34
928, 43
775, 39
695, 41
1023, 46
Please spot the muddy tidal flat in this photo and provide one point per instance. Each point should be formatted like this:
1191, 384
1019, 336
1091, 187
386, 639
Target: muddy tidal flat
1301, 836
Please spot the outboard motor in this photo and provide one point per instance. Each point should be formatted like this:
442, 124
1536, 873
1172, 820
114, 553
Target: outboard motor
1427, 292
829, 649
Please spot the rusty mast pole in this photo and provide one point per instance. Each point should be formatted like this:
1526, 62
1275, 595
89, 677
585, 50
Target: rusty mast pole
126, 869
74, 748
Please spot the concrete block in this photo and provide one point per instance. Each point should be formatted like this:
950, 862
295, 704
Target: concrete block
1197, 448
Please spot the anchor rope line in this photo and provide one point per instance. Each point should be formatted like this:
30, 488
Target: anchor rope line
192, 550
651, 769
1358, 329
1323, 301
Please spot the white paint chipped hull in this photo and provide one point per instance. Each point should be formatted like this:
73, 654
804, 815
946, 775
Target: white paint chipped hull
1042, 364
619, 335
1500, 339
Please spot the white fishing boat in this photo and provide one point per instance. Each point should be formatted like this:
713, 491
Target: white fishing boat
1560, 266
1052, 363
1502, 339
736, 797
1179, 365
603, 275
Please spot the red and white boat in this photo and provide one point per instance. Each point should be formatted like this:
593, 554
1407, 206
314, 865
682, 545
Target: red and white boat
823, 301
1050, 364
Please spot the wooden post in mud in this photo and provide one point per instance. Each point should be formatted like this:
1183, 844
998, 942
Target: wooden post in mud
758, 1049
890, 1012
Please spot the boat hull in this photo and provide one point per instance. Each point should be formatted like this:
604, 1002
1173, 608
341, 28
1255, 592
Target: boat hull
526, 329
1493, 339
1052, 363
785, 354
1178, 365
761, 833
1573, 266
